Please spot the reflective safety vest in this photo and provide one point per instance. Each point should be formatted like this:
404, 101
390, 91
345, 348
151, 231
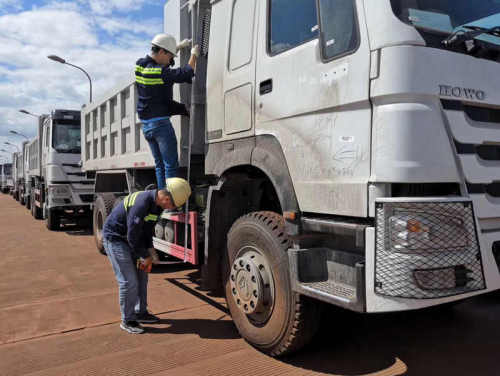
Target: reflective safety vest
129, 201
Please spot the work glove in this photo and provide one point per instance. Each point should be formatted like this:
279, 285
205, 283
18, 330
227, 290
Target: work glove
195, 51
184, 44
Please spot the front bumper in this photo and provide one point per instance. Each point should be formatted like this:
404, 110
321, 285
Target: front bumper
437, 257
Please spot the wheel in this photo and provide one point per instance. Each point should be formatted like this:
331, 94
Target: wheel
15, 195
21, 199
27, 202
267, 313
53, 221
102, 208
36, 212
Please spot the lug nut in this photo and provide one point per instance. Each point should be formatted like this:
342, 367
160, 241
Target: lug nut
238, 301
255, 293
252, 304
253, 279
248, 268
234, 291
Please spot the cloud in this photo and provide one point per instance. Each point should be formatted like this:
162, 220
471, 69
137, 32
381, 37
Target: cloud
104, 7
106, 47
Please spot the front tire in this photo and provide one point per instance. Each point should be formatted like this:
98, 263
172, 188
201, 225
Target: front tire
53, 221
267, 313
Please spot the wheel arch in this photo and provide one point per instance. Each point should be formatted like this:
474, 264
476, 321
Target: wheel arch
244, 169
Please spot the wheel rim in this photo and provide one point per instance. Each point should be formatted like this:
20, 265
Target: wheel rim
252, 285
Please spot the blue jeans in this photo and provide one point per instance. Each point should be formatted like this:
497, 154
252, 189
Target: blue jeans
162, 141
132, 283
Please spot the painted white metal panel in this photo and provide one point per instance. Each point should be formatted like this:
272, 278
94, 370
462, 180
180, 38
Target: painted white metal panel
239, 70
386, 29
321, 114
242, 34
467, 131
479, 171
410, 143
238, 109
219, 40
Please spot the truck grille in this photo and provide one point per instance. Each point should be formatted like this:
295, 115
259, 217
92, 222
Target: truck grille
476, 133
426, 250
87, 198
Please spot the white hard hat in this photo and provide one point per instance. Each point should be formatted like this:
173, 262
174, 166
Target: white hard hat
165, 41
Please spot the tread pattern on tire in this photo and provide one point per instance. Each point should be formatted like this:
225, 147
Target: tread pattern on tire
109, 201
305, 315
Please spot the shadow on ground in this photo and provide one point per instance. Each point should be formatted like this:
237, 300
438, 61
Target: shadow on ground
210, 329
453, 340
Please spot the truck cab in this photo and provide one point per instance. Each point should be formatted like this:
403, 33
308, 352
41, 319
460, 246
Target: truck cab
62, 191
6, 182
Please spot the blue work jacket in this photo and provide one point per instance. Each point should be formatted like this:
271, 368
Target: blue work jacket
155, 88
133, 220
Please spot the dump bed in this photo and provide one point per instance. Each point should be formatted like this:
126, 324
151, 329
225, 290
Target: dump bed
111, 130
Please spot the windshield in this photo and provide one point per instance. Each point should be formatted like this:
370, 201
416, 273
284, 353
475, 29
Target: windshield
447, 15
66, 137
7, 169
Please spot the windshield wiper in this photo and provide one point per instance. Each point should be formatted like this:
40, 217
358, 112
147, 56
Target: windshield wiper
461, 36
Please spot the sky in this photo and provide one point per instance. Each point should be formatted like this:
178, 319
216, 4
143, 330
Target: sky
104, 37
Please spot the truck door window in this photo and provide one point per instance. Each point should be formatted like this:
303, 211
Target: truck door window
291, 23
339, 29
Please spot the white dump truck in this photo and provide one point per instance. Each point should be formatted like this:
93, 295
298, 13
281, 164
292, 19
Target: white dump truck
57, 188
343, 151
6, 182
18, 174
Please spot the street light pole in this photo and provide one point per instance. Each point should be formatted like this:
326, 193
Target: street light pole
62, 61
19, 134
28, 113
8, 143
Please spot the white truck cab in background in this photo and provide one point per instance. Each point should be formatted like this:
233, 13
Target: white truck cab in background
6, 181
350, 157
58, 188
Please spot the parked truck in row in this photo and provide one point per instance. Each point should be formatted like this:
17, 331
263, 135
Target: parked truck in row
341, 152
18, 173
56, 187
6, 182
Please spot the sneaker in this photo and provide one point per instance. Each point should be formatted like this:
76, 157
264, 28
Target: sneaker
133, 327
147, 318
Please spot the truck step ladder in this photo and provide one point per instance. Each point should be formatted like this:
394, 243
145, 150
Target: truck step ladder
175, 249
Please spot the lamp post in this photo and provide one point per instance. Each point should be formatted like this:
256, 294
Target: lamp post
8, 143
62, 61
28, 113
19, 134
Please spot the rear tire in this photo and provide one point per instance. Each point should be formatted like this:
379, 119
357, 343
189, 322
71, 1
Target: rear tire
27, 202
36, 212
283, 321
53, 222
102, 208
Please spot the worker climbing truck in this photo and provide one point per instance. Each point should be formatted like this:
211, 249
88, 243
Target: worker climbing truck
58, 190
342, 151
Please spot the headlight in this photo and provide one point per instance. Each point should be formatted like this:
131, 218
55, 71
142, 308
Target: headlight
426, 232
59, 191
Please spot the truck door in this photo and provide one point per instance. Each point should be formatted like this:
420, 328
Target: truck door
312, 94
239, 76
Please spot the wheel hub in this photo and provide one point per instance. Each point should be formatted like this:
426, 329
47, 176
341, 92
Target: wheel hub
251, 285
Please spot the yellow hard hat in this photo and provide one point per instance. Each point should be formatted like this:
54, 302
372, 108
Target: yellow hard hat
179, 189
